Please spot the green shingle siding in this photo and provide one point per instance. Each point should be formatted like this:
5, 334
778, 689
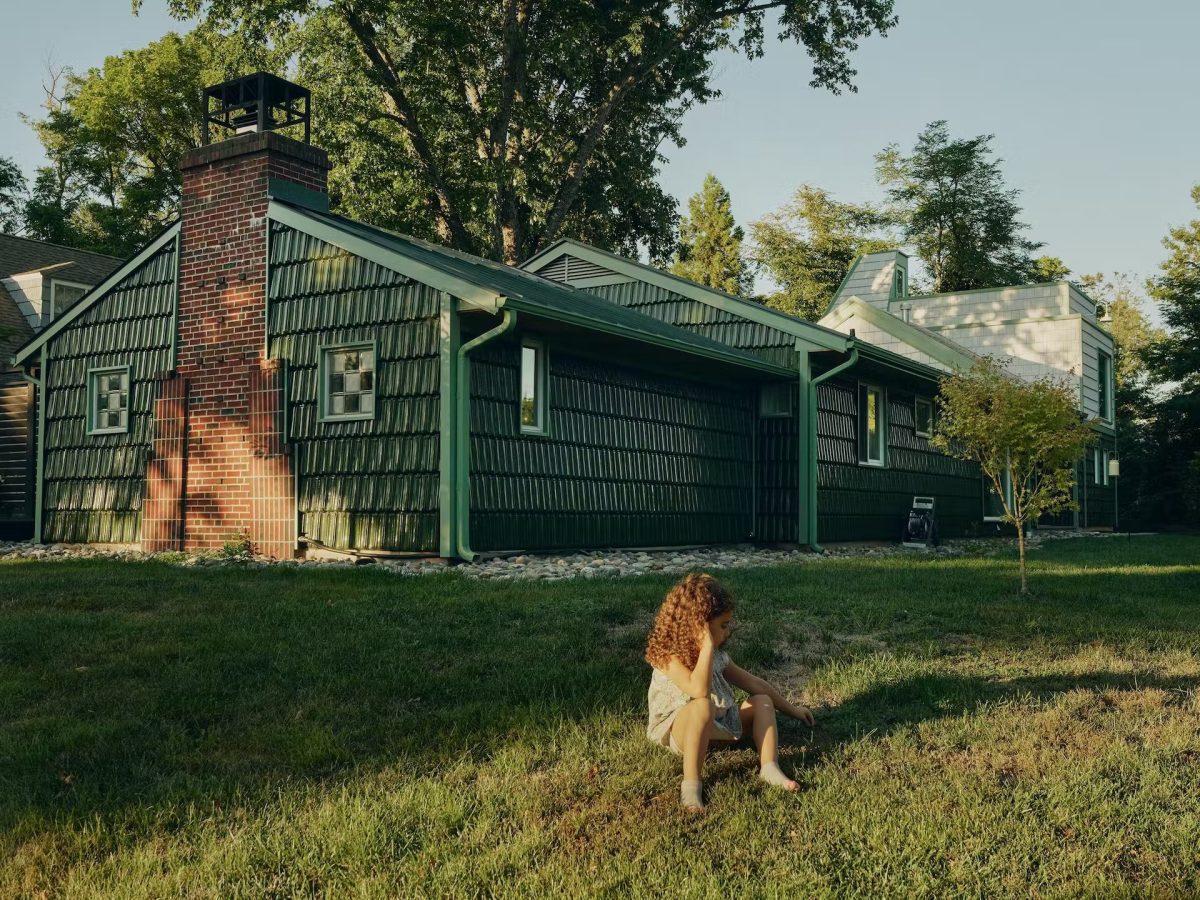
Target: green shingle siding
859, 502
631, 459
1097, 501
370, 484
779, 476
717, 324
94, 484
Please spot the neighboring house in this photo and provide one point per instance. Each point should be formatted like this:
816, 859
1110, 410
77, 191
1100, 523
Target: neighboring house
1037, 330
38, 281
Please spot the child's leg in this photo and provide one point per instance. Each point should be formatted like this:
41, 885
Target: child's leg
758, 717
691, 730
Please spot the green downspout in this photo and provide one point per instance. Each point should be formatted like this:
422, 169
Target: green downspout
448, 354
462, 474
811, 439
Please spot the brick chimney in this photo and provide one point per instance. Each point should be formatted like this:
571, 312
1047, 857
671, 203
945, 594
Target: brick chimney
220, 470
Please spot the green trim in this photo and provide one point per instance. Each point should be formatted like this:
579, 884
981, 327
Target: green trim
175, 304
808, 513
462, 475
325, 417
746, 309
466, 291
448, 343
267, 291
716, 351
39, 501
916, 337
89, 413
96, 293
297, 194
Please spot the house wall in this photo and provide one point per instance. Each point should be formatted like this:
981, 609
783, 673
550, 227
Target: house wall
873, 334
631, 459
26, 291
16, 443
872, 277
1097, 501
367, 485
1095, 339
859, 502
991, 305
1033, 349
94, 485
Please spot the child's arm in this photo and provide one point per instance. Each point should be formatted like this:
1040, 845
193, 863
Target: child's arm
752, 684
696, 683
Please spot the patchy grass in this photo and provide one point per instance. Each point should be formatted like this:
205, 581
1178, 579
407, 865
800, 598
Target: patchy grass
223, 733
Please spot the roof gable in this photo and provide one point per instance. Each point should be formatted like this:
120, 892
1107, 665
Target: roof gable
936, 347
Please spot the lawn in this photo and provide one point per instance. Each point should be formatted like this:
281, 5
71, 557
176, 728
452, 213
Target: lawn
284, 732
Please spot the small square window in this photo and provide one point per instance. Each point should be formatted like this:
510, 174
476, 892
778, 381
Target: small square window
348, 382
533, 388
775, 400
923, 416
108, 401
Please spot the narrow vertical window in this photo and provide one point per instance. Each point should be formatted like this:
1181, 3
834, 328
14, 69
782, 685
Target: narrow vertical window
533, 388
1104, 387
923, 416
901, 289
348, 383
108, 401
870, 425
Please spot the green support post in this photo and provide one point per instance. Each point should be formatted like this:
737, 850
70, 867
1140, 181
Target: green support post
809, 457
448, 337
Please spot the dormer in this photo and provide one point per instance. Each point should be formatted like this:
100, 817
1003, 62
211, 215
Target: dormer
875, 278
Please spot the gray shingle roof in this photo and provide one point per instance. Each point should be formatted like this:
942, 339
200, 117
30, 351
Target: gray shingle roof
18, 254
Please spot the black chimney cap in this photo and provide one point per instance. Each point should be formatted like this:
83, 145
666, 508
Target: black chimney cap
258, 102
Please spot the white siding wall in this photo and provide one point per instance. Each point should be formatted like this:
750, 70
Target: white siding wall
1095, 339
1025, 302
26, 290
1081, 304
873, 334
1032, 349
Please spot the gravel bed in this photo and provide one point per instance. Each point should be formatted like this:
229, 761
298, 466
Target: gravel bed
547, 567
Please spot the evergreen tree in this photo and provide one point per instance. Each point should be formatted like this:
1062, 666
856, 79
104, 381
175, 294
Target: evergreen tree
951, 199
1176, 360
710, 242
808, 245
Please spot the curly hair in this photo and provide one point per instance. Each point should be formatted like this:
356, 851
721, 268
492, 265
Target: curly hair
695, 601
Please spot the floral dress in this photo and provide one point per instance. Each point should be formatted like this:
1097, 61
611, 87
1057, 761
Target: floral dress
666, 700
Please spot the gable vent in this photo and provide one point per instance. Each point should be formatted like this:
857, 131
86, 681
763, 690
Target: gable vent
571, 268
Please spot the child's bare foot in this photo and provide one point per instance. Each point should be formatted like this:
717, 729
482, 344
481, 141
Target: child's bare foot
773, 775
689, 796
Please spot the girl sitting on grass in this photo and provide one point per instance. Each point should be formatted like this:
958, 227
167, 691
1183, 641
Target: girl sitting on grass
691, 701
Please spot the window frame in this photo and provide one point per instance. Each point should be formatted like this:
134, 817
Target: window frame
49, 317
324, 416
92, 375
864, 457
541, 387
1100, 462
927, 401
899, 283
785, 389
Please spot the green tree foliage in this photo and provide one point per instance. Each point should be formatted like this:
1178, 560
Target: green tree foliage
1045, 269
114, 136
710, 242
951, 200
809, 244
497, 127
1176, 360
1025, 435
12, 196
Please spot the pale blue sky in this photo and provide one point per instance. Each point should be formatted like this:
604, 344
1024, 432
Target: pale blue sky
1093, 105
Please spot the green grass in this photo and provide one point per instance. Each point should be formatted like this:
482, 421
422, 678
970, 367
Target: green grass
282, 732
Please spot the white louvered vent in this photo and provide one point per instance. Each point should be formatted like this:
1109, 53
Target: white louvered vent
572, 268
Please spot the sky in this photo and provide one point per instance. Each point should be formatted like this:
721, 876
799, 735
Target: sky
1092, 105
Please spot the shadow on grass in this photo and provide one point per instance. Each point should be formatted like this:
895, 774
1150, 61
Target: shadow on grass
147, 686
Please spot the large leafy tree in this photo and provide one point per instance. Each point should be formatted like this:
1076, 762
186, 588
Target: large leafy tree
809, 244
113, 137
710, 242
1176, 360
498, 126
955, 209
1026, 436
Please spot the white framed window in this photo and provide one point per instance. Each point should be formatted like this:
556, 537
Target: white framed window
533, 405
923, 416
348, 382
64, 295
108, 400
993, 506
1100, 462
775, 400
900, 285
872, 425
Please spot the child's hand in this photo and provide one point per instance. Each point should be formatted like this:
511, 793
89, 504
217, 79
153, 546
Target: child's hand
704, 635
804, 714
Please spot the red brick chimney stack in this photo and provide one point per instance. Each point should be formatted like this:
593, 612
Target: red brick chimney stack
237, 482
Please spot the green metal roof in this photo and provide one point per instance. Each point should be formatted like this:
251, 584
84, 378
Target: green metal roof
524, 291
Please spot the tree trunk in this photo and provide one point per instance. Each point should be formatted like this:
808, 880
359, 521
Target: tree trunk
1021, 547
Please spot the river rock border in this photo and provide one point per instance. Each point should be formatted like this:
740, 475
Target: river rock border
547, 567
